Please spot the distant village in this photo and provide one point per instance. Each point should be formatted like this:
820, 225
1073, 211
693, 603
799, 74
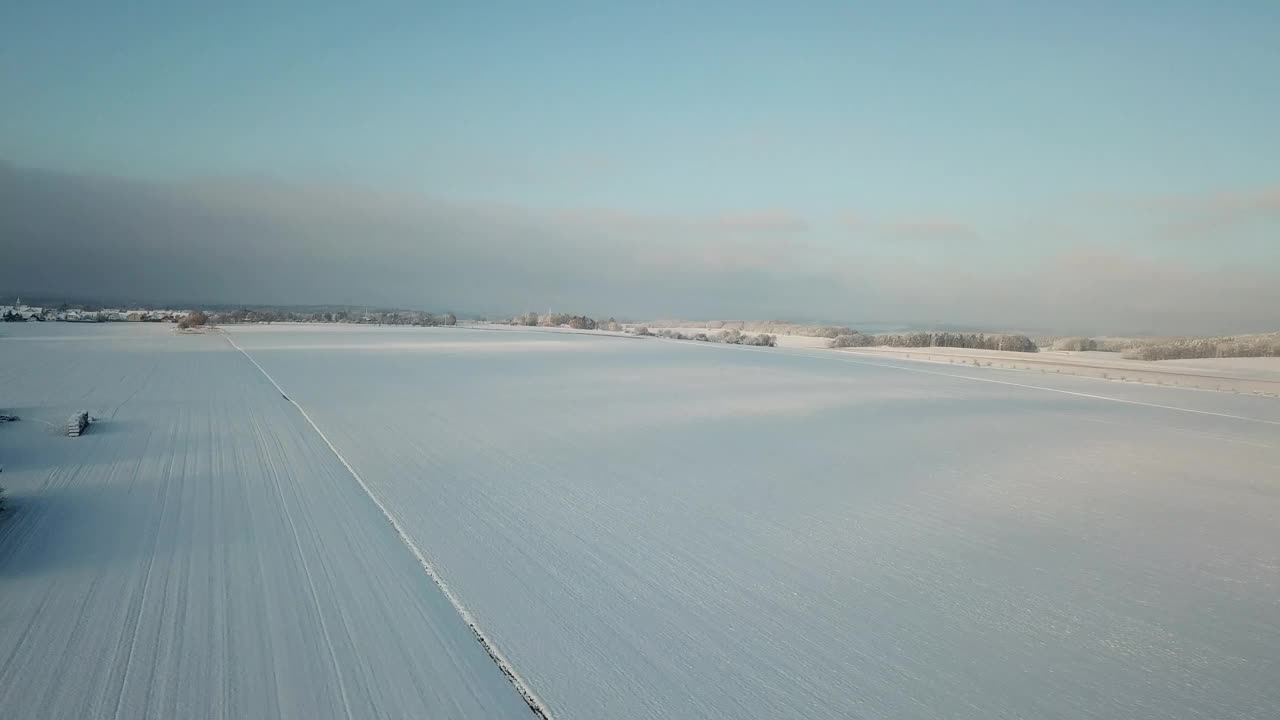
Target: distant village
21, 312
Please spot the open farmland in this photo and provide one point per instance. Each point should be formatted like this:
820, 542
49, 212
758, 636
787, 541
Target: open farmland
661, 529
200, 552
643, 528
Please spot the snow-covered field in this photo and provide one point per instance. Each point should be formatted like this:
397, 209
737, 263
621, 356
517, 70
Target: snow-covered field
784, 341
643, 528
1263, 368
1256, 376
660, 529
200, 552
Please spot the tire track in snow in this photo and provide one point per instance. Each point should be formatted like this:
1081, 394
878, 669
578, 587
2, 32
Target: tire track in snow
136, 616
531, 699
311, 585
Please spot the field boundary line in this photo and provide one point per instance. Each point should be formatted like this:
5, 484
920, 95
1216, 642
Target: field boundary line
530, 698
840, 356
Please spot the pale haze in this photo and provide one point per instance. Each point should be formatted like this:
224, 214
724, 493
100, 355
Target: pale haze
1085, 167
640, 360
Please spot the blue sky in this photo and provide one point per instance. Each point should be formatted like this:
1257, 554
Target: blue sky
1006, 132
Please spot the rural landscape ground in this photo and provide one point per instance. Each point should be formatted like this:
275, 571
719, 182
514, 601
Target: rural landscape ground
301, 521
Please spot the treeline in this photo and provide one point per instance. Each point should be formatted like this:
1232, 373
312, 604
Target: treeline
975, 341
728, 337
566, 320
1079, 343
774, 327
378, 317
732, 336
1173, 348
1267, 345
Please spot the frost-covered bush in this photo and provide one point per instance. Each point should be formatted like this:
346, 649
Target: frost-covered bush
904, 339
194, 319
1077, 344
1112, 344
765, 327
735, 337
1219, 347
978, 341
855, 339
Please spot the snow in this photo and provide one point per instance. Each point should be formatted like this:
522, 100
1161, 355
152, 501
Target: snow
200, 552
784, 341
638, 528
662, 529
1262, 368
1249, 376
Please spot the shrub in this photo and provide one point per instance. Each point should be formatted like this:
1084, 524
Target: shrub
1075, 344
1219, 347
195, 318
856, 339
980, 341
765, 327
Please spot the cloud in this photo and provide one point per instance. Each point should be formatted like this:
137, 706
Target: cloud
1200, 216
852, 221
1210, 216
1245, 203
762, 221
1087, 290
743, 221
930, 230
925, 229
267, 241
261, 240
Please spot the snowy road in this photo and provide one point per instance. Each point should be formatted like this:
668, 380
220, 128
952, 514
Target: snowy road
200, 552
651, 529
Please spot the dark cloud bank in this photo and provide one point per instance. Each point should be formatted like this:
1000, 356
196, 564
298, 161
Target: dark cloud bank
270, 242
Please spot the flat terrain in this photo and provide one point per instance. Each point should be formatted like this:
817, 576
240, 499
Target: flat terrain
784, 341
1262, 368
200, 552
659, 529
1253, 376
